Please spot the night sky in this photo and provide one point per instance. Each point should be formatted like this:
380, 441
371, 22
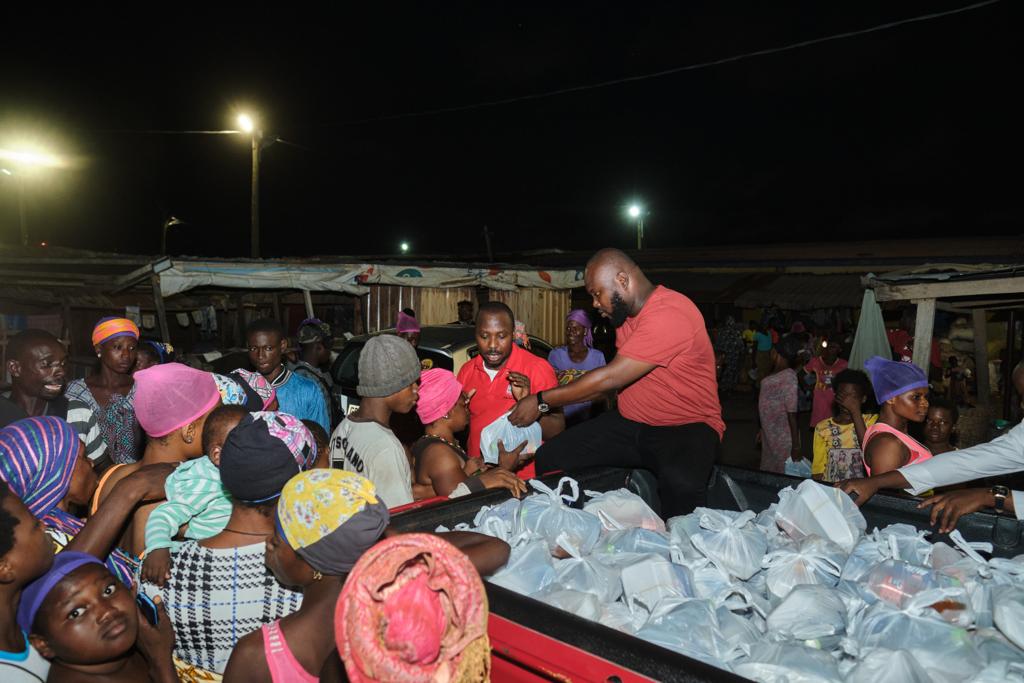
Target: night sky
910, 132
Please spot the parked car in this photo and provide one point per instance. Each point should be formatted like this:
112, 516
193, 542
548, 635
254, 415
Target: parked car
441, 346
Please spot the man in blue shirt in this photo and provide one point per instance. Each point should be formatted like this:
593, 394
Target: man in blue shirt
296, 395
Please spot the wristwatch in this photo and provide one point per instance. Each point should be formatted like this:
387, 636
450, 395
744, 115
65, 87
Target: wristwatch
1000, 493
541, 405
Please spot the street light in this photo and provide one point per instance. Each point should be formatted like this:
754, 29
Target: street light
169, 223
404, 246
248, 125
20, 160
636, 212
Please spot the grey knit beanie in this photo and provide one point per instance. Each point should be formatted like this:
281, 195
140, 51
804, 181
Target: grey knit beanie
387, 364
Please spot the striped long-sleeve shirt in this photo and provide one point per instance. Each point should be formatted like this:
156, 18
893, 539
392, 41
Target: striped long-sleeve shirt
195, 496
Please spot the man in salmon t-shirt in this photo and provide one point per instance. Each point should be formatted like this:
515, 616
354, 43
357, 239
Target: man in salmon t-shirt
669, 419
501, 374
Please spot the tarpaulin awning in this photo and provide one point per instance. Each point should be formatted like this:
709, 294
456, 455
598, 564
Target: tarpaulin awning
183, 275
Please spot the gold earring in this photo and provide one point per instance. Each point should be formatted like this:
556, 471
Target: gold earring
317, 575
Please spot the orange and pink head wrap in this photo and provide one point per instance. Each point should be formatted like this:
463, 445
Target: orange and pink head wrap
111, 328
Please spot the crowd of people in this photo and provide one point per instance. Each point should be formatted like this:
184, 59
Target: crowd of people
167, 522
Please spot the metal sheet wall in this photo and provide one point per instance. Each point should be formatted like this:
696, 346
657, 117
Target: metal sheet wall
433, 305
542, 310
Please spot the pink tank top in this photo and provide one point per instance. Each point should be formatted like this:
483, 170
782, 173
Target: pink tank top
918, 452
284, 668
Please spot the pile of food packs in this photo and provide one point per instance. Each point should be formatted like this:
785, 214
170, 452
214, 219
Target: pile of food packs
799, 592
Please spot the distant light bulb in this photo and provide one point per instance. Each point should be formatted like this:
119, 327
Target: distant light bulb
634, 211
404, 246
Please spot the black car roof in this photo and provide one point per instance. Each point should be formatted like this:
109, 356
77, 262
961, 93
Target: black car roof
434, 336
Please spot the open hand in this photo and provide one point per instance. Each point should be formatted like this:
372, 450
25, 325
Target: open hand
148, 481
948, 508
520, 385
514, 459
156, 568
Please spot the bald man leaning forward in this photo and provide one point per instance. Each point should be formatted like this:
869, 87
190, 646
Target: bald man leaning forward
668, 419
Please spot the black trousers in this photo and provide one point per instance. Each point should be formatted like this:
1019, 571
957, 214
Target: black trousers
680, 457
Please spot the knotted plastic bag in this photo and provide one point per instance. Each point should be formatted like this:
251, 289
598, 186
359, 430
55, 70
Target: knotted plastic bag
500, 521
623, 509
731, 541
778, 662
546, 516
814, 561
809, 612
510, 436
887, 666
813, 509
529, 569
648, 582
587, 575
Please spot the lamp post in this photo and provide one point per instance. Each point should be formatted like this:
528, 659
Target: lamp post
169, 223
637, 213
248, 125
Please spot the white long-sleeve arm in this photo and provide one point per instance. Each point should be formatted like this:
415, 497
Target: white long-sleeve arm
1004, 455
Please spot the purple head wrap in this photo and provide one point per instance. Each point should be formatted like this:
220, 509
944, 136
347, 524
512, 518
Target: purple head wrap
578, 315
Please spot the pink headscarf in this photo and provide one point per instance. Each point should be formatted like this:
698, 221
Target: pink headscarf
413, 609
406, 323
580, 317
439, 391
169, 396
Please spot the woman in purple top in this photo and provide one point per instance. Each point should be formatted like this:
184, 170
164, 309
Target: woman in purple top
575, 359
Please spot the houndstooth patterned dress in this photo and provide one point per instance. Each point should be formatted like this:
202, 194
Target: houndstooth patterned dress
217, 595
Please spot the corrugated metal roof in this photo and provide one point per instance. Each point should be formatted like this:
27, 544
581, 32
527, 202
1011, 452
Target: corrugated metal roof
800, 292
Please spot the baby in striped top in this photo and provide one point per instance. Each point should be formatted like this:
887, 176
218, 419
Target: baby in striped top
195, 497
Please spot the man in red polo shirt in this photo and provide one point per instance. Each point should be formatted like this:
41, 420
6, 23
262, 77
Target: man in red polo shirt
501, 374
668, 419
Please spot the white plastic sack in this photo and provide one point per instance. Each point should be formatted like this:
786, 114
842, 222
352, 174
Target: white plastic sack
993, 647
647, 583
800, 468
888, 666
731, 541
587, 575
581, 604
617, 616
740, 632
528, 571
1000, 672
896, 582
689, 627
623, 509
636, 540
546, 516
814, 561
944, 650
813, 509
808, 613
509, 435
778, 662
1008, 612
500, 521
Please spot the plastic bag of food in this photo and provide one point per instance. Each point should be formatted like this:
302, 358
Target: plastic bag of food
813, 509
623, 509
583, 605
887, 666
738, 631
529, 569
587, 575
808, 613
943, 649
800, 468
617, 616
647, 583
784, 662
896, 582
689, 627
500, 521
1008, 612
731, 541
993, 647
636, 540
546, 516
814, 561
510, 436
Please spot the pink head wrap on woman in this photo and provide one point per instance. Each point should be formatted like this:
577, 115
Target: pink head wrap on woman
580, 317
413, 609
169, 396
439, 392
406, 323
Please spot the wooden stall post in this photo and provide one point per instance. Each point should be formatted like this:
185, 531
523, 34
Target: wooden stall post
924, 328
161, 310
981, 357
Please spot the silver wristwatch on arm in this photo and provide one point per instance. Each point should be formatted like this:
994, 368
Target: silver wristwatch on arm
543, 407
1000, 494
